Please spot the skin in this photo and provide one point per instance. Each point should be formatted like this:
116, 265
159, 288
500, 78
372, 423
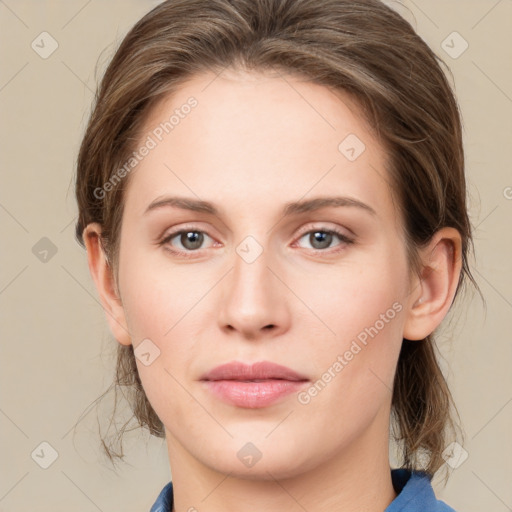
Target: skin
254, 143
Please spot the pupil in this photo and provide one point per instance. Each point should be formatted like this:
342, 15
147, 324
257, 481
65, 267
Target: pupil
323, 238
192, 239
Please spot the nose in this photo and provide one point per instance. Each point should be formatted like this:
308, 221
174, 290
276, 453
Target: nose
254, 301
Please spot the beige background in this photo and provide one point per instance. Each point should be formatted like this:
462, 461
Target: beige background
56, 350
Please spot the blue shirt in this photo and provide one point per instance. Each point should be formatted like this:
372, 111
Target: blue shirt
414, 489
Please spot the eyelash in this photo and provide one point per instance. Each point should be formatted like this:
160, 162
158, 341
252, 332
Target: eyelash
189, 254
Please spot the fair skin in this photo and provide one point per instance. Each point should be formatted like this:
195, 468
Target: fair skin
253, 144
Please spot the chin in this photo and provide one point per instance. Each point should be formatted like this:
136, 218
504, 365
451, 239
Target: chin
269, 470
261, 461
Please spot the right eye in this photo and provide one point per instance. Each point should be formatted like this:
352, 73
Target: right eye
190, 240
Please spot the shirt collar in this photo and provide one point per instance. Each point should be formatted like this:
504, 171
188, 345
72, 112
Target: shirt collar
415, 493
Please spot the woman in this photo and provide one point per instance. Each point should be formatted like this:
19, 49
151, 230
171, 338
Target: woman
273, 202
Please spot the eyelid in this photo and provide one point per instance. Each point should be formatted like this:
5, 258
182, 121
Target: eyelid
186, 226
324, 226
307, 229
182, 228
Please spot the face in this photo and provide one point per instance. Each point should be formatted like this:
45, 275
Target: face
298, 259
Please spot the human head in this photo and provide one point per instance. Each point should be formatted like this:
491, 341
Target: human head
360, 48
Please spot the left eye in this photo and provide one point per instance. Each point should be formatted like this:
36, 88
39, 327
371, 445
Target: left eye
322, 238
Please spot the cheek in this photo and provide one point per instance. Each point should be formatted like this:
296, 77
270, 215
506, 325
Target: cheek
361, 313
349, 299
162, 310
366, 340
155, 296
162, 304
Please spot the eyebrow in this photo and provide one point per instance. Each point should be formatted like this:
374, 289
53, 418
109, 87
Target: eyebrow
291, 208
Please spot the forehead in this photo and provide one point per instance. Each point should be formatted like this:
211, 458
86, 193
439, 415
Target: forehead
258, 137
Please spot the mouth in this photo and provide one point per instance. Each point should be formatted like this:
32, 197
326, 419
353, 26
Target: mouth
252, 386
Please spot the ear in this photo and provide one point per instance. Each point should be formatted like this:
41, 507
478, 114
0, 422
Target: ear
102, 274
433, 293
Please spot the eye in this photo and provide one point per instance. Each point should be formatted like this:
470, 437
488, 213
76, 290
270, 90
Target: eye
187, 239
321, 239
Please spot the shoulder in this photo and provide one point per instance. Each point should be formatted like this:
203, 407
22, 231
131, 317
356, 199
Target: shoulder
415, 493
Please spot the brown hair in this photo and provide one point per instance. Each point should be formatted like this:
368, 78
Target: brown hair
361, 47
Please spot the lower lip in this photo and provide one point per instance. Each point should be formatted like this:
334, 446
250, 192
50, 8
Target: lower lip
253, 395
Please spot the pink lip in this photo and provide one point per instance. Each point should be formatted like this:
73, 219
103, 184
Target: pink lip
252, 386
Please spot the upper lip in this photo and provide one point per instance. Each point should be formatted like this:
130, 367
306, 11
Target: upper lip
264, 370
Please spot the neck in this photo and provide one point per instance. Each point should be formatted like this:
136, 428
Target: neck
357, 478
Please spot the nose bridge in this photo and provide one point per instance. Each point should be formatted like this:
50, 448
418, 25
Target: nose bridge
253, 298
251, 288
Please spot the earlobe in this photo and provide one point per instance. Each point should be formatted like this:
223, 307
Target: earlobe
102, 274
433, 295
